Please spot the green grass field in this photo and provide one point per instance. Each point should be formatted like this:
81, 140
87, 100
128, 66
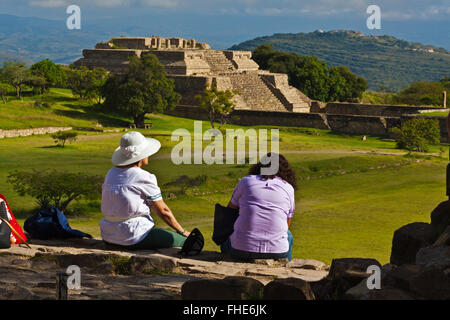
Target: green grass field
352, 196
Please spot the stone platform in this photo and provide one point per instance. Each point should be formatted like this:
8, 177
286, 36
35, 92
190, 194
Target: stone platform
110, 273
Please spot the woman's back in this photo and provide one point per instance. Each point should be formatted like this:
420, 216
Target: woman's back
264, 207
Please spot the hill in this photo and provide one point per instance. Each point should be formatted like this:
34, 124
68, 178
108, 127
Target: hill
8, 57
384, 61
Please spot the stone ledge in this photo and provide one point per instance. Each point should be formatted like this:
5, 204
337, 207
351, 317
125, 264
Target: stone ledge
109, 273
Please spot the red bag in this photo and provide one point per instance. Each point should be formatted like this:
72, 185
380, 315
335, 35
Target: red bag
17, 236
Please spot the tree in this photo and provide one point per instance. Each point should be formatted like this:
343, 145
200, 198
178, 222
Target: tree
311, 75
86, 83
445, 82
345, 85
16, 74
38, 83
53, 74
417, 134
144, 88
217, 103
5, 89
56, 188
61, 137
422, 93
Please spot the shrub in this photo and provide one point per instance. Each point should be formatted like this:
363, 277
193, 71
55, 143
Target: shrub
54, 188
43, 102
417, 134
184, 182
61, 137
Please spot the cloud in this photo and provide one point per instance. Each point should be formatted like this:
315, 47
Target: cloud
169, 4
48, 3
111, 3
390, 9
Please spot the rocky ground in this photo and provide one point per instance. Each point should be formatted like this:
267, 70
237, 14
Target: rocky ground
108, 273
419, 269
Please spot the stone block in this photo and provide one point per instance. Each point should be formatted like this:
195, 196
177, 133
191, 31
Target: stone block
307, 264
288, 289
434, 256
402, 276
444, 238
440, 218
323, 289
351, 267
348, 272
229, 288
431, 283
148, 264
408, 240
104, 268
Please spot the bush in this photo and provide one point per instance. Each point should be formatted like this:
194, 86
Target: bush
417, 134
184, 182
54, 188
43, 102
61, 137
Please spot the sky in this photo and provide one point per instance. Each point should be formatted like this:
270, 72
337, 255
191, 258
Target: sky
423, 21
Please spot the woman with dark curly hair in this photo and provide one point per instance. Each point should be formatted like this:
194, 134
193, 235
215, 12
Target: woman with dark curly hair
266, 204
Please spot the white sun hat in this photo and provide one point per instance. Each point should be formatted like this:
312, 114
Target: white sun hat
133, 148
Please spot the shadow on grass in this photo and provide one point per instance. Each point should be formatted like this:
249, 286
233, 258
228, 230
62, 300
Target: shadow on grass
91, 114
57, 147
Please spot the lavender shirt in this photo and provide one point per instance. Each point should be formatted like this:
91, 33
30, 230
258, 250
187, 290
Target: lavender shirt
264, 207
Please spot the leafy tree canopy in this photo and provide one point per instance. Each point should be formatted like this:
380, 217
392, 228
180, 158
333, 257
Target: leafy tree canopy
53, 74
56, 188
145, 88
423, 93
217, 103
311, 75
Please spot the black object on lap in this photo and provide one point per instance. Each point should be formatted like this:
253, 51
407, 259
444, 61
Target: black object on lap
224, 219
193, 244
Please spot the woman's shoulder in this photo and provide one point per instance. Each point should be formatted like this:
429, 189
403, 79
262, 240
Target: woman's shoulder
145, 175
285, 185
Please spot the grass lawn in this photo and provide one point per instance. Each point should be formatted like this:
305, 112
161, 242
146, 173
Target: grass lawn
352, 196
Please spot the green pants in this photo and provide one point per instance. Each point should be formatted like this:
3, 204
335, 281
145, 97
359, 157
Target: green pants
160, 238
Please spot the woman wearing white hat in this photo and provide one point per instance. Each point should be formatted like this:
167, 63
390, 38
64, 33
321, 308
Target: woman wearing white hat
128, 195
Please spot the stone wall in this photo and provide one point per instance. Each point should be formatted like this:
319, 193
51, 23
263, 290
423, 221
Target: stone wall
113, 60
190, 86
351, 124
30, 132
373, 109
158, 43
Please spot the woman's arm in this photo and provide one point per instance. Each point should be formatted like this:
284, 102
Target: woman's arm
166, 214
289, 222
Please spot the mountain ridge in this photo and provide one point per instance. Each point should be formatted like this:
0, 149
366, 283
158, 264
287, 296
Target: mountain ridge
385, 61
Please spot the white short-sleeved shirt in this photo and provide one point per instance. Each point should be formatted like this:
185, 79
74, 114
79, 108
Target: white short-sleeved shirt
125, 194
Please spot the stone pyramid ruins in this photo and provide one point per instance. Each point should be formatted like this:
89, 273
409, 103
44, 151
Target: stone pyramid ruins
192, 65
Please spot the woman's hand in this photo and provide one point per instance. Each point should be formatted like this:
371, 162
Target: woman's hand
186, 233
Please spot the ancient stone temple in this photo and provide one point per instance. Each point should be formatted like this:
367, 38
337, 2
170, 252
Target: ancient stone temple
192, 65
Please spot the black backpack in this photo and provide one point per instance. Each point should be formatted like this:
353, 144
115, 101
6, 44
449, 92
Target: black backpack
5, 230
193, 244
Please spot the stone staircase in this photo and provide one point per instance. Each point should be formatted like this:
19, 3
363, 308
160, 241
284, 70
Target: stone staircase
255, 92
218, 63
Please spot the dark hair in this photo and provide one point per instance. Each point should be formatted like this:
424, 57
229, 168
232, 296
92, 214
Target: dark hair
285, 171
